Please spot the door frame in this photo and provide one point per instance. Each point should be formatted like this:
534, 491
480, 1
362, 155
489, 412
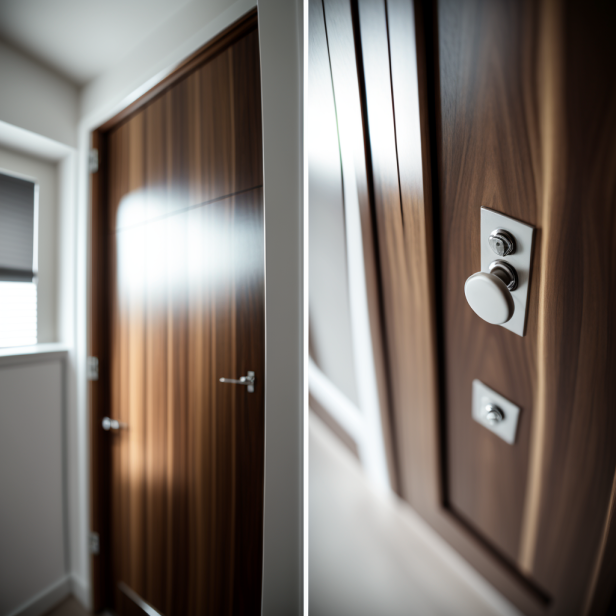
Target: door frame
283, 52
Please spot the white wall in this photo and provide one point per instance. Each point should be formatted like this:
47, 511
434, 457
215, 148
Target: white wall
33, 539
156, 56
37, 99
52, 163
45, 173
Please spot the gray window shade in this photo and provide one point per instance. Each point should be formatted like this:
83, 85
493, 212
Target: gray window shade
16, 229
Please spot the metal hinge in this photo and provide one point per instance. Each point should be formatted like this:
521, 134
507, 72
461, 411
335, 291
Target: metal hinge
95, 544
92, 368
93, 160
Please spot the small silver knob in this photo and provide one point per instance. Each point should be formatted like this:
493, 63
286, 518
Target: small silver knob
501, 242
493, 414
112, 424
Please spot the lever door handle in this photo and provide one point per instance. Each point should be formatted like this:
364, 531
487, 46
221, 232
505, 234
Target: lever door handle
248, 380
112, 424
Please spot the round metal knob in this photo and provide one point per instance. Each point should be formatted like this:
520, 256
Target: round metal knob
501, 242
493, 414
489, 295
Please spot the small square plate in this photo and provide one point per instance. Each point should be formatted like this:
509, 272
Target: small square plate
482, 396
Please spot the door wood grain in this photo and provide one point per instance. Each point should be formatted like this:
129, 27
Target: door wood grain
182, 219
511, 107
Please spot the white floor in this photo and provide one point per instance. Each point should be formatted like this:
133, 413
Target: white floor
371, 555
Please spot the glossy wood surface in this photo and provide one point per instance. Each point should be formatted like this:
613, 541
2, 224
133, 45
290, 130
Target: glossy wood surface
185, 235
514, 109
489, 157
517, 135
403, 224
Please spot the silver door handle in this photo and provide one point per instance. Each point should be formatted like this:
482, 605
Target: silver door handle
248, 380
112, 424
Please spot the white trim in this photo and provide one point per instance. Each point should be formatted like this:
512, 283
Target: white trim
19, 176
374, 455
354, 421
80, 589
35, 232
33, 353
345, 412
27, 142
44, 600
306, 324
281, 34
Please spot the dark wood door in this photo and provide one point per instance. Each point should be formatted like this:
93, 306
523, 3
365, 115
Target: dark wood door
511, 106
526, 126
184, 227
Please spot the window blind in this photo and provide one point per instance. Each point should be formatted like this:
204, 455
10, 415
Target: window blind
18, 261
16, 229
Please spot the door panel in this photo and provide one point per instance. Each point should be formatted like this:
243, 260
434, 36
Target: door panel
518, 136
199, 140
510, 108
188, 470
185, 245
489, 155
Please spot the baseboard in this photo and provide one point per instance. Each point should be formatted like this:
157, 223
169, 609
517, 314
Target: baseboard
45, 600
81, 591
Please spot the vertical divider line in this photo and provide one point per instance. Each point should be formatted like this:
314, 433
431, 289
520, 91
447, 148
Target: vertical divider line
305, 311
426, 33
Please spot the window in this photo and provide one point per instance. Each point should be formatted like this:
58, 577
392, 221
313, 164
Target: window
18, 261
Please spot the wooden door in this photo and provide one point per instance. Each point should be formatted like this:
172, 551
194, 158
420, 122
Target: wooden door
182, 209
508, 105
526, 126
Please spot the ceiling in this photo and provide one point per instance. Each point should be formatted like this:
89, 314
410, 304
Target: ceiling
80, 39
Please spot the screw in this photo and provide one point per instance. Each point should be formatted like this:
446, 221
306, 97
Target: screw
493, 414
501, 242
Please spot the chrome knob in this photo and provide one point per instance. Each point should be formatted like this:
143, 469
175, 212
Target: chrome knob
112, 424
501, 242
493, 414
489, 294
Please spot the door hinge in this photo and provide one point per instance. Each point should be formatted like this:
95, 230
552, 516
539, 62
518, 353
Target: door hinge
92, 368
95, 544
93, 160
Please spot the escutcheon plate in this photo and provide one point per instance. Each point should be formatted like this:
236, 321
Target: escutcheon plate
482, 396
520, 259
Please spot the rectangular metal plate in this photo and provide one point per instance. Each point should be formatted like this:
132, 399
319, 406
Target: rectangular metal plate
482, 396
521, 260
